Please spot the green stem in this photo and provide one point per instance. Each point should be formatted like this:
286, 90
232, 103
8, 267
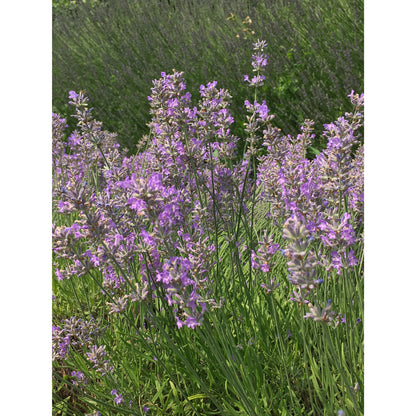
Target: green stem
339, 367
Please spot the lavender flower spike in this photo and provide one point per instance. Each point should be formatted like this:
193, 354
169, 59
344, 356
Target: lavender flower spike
302, 262
258, 62
324, 315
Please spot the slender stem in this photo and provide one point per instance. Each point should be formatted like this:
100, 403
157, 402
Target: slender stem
339, 367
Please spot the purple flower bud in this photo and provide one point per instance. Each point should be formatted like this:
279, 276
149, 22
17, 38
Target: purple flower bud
73, 95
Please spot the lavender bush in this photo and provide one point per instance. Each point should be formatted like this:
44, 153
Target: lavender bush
189, 281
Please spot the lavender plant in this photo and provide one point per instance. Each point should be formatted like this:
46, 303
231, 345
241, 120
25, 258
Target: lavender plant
219, 286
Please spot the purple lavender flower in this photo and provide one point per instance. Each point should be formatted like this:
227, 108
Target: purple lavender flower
119, 398
299, 296
302, 262
263, 258
270, 286
73, 95
60, 343
140, 293
73, 333
118, 305
355, 388
258, 62
79, 378
357, 100
324, 315
256, 81
97, 356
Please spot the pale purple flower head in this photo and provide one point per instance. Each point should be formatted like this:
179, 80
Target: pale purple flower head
119, 398
324, 315
72, 95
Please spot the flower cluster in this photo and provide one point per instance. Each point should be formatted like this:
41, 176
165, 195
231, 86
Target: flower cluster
262, 259
74, 333
258, 114
302, 262
145, 221
326, 192
318, 202
98, 357
78, 378
259, 61
324, 315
